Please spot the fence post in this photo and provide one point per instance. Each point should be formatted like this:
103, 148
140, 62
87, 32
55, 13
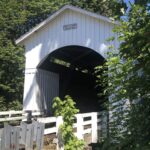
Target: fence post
94, 127
60, 144
79, 126
9, 114
29, 116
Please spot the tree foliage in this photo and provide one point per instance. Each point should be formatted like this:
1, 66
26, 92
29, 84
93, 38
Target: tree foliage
128, 83
11, 56
11, 72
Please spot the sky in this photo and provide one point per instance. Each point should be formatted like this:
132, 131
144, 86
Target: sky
128, 4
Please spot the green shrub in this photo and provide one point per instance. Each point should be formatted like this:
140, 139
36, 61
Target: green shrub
66, 109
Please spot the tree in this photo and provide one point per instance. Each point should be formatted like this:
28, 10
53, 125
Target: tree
11, 81
128, 83
11, 56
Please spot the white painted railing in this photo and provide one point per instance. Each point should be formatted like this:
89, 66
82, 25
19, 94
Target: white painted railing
13, 115
85, 123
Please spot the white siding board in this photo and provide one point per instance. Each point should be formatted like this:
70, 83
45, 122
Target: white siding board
30, 90
107, 33
88, 39
102, 44
38, 93
74, 32
104, 33
65, 21
91, 32
77, 34
83, 29
45, 42
69, 36
95, 35
69, 17
98, 33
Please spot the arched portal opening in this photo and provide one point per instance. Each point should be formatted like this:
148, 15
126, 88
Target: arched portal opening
75, 67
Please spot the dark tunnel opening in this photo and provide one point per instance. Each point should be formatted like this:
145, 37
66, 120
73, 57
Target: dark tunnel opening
75, 66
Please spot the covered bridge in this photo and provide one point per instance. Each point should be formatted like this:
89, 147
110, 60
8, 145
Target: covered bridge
61, 53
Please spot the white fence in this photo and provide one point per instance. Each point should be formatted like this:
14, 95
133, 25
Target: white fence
12, 115
23, 136
86, 123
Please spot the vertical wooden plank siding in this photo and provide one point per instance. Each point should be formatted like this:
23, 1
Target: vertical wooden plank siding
90, 32
48, 83
52, 36
44, 86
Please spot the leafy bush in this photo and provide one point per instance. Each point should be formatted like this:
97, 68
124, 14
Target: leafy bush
66, 109
15, 105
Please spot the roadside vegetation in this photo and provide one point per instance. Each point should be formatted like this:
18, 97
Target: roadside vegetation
126, 81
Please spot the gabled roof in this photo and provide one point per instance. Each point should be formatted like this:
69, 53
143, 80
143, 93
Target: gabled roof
46, 21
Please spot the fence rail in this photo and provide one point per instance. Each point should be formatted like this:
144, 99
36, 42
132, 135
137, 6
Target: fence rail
12, 115
86, 123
